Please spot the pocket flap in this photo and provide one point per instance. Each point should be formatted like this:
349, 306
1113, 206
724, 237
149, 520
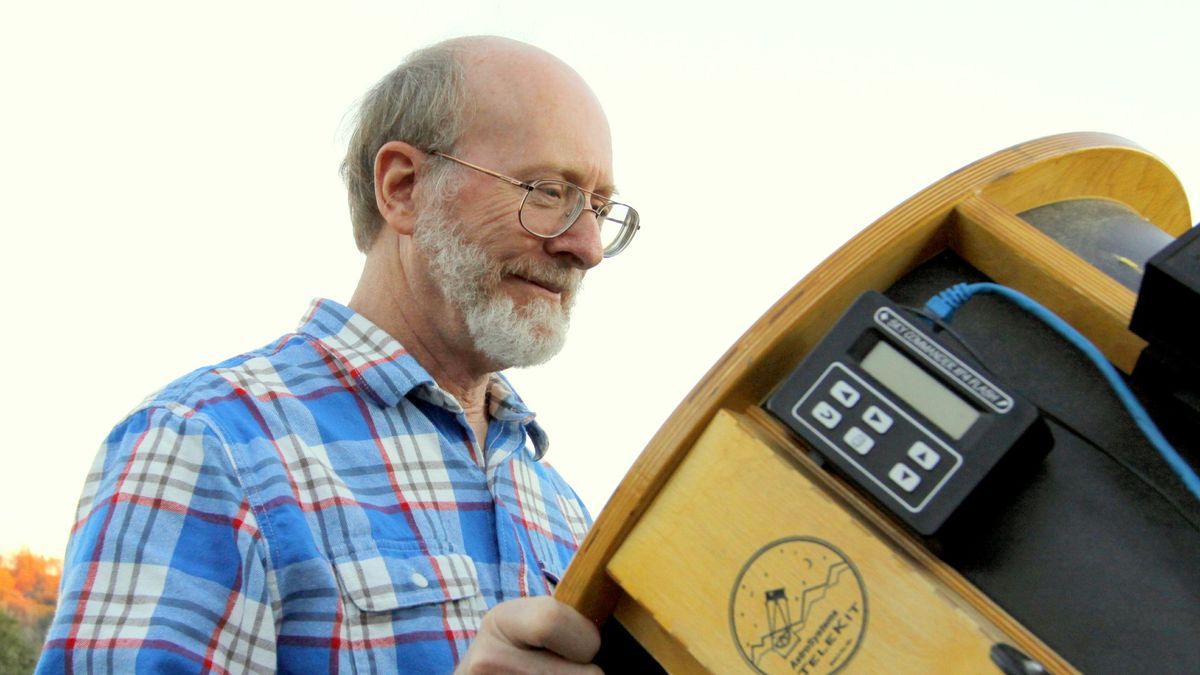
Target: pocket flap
385, 576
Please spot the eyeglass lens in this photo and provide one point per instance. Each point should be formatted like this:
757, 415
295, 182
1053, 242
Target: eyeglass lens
553, 206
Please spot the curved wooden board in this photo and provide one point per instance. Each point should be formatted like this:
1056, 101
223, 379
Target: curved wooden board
1137, 179
1062, 167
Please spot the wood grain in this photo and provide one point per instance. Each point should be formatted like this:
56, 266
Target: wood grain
1014, 253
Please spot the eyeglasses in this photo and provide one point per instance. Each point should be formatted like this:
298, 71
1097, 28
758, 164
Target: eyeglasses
551, 207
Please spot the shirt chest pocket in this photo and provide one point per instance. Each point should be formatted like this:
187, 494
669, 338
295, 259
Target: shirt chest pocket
383, 578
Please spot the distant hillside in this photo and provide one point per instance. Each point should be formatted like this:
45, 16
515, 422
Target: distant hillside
28, 591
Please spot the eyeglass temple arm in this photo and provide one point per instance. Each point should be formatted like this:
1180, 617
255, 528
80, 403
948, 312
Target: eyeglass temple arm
493, 174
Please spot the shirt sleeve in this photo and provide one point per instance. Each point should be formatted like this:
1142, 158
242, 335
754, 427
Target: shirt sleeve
166, 569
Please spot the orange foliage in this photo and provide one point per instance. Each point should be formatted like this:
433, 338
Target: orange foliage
29, 586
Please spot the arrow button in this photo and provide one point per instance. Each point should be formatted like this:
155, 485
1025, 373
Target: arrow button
877, 419
906, 478
925, 456
844, 393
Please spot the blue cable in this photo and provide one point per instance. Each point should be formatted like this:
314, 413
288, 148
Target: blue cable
945, 303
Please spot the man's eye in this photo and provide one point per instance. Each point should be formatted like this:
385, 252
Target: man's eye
551, 191
549, 194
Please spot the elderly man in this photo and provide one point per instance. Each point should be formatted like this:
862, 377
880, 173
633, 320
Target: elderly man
367, 494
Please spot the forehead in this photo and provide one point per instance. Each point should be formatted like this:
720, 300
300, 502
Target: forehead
531, 112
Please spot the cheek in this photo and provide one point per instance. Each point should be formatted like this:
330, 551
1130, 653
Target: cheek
494, 225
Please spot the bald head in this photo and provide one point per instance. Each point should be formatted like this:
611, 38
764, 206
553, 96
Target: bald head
492, 94
518, 93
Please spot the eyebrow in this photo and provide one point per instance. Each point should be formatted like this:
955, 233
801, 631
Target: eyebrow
608, 190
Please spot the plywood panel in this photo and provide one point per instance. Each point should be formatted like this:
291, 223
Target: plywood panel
753, 566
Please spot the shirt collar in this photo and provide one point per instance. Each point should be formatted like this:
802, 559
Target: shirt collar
379, 367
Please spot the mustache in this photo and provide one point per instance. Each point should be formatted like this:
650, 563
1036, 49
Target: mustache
558, 274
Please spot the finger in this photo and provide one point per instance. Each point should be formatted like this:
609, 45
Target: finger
491, 654
545, 623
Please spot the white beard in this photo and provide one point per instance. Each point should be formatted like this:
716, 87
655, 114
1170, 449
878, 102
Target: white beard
469, 277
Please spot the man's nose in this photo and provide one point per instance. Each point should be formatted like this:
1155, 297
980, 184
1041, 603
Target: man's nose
581, 240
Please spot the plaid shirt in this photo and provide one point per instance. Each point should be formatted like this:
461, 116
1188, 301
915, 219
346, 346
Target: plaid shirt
314, 506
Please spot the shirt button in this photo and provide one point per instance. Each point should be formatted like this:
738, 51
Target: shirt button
419, 580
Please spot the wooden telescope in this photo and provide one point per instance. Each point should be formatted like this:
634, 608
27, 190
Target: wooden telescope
732, 547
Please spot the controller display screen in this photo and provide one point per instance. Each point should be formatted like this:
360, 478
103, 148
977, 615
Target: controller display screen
920, 390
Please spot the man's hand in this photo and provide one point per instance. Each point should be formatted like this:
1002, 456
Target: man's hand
533, 635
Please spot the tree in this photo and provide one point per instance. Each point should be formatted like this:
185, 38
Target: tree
28, 591
17, 655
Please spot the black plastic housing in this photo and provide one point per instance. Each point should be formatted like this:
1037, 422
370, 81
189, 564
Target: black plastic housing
1169, 299
1007, 436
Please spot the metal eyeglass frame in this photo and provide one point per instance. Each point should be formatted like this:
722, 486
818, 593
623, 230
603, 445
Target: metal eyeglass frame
629, 226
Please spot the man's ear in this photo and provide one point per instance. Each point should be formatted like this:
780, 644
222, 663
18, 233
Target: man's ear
396, 166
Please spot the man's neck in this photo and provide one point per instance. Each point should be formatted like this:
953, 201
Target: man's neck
441, 346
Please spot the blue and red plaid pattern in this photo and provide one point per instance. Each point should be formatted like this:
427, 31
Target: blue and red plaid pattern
318, 505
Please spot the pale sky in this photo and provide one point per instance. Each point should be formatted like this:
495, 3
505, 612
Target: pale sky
170, 197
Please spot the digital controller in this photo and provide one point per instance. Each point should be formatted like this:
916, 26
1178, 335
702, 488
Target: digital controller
907, 416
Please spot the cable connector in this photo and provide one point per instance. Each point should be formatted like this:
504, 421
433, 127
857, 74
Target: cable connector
945, 303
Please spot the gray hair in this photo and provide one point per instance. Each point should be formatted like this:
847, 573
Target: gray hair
421, 103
